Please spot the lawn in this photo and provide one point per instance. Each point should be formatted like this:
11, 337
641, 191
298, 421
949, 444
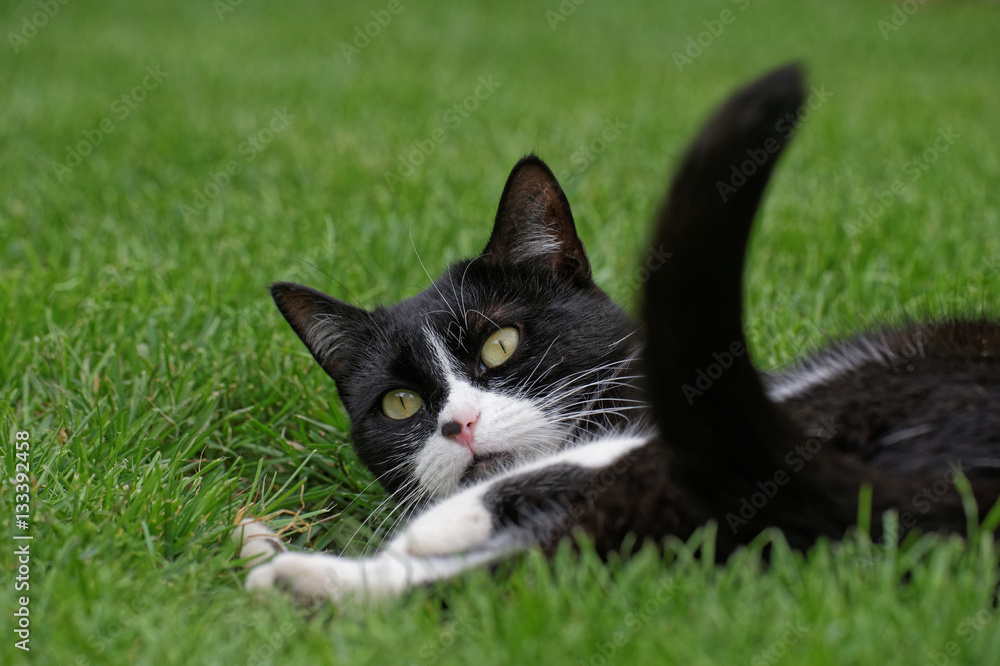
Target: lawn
164, 162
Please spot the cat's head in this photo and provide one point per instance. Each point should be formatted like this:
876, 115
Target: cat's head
507, 357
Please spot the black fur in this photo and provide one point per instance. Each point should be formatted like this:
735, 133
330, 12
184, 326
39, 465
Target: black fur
919, 404
533, 274
907, 407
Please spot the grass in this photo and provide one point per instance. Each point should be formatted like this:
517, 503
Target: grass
163, 394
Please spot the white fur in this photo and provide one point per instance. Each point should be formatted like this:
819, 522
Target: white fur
448, 538
460, 523
257, 542
505, 425
315, 577
827, 367
597, 453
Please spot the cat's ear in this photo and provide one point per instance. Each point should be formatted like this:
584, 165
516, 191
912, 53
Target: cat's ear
534, 223
326, 326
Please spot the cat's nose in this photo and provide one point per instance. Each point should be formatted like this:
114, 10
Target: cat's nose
461, 429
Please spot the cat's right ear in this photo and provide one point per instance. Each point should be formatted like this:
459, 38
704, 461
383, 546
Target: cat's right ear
323, 323
534, 223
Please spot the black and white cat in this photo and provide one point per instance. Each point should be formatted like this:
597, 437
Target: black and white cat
507, 358
503, 396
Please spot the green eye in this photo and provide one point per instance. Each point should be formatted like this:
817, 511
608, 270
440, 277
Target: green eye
500, 346
401, 404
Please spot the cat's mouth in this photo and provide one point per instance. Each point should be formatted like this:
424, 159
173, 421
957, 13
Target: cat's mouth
484, 466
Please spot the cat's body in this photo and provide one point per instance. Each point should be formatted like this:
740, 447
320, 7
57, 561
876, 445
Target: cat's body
900, 411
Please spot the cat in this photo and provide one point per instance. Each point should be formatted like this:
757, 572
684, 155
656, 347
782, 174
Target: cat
911, 412
507, 358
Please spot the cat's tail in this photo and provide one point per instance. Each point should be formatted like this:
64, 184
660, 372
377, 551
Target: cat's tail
702, 379
730, 445
727, 439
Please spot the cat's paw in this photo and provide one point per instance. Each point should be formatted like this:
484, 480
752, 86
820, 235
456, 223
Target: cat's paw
458, 525
257, 542
313, 577
309, 576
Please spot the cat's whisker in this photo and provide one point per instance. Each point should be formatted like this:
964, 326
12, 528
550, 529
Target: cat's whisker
404, 462
568, 414
364, 523
615, 365
535, 369
400, 506
568, 395
623, 339
358, 495
432, 281
574, 399
389, 517
461, 288
487, 318
414, 499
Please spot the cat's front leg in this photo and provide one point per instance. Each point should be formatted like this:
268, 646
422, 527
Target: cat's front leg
320, 577
538, 503
460, 524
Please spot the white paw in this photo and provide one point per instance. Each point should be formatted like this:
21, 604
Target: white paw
314, 577
309, 576
317, 577
257, 541
458, 525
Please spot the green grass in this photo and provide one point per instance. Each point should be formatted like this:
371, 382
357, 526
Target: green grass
163, 393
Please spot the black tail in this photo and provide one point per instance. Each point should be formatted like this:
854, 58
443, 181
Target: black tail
728, 442
709, 393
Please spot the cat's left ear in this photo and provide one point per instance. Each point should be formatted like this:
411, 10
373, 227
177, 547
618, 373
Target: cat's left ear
330, 329
534, 223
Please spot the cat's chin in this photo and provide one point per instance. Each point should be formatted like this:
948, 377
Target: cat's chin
485, 466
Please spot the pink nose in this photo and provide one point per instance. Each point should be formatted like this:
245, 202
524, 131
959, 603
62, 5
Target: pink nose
461, 429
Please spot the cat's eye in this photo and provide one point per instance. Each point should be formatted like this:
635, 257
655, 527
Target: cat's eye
401, 404
500, 346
